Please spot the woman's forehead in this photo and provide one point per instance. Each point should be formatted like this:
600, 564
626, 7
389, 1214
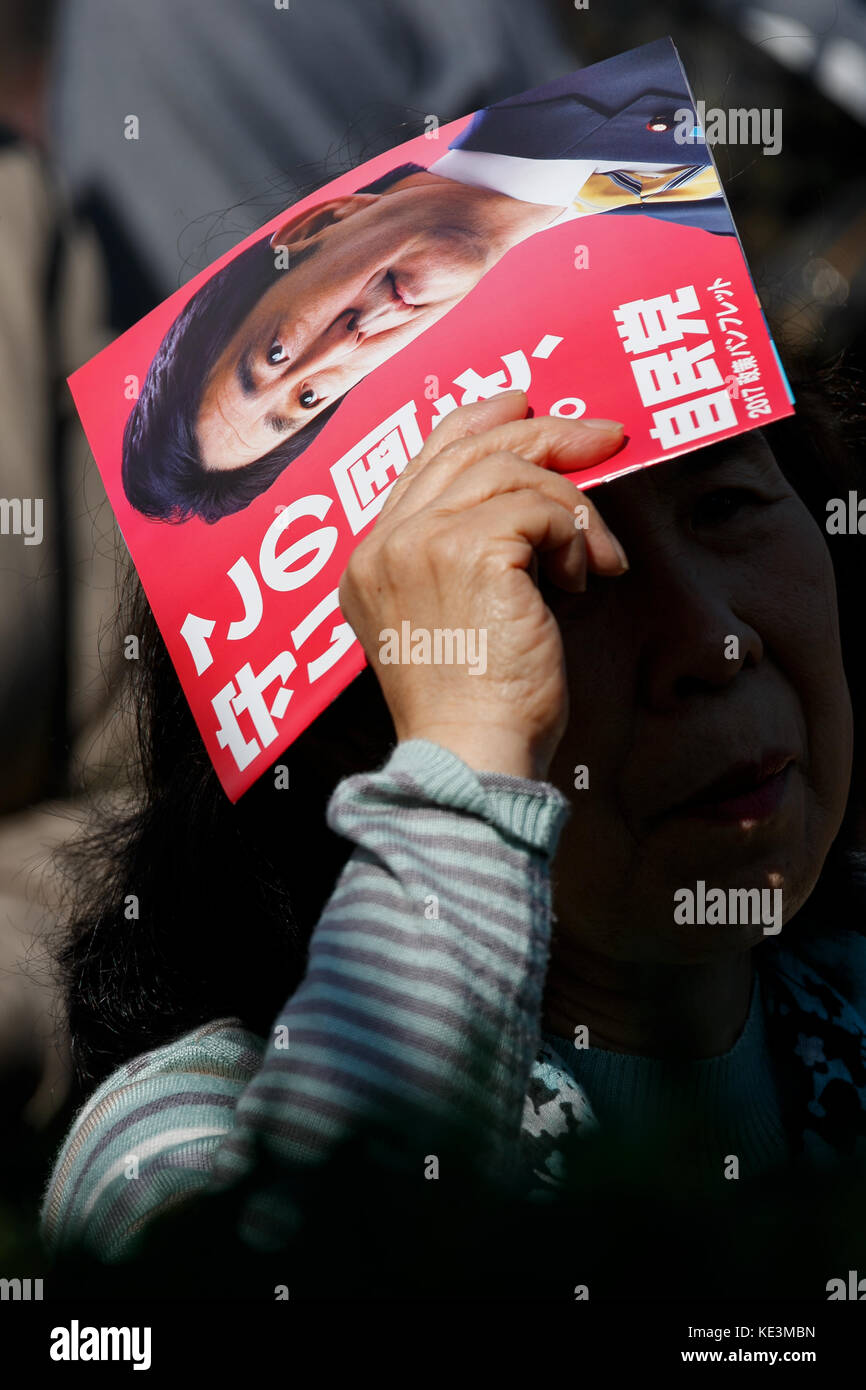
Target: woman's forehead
750, 453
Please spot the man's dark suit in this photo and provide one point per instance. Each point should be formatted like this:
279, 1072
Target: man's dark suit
605, 112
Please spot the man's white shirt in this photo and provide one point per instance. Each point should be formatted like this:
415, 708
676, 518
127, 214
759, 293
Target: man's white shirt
556, 182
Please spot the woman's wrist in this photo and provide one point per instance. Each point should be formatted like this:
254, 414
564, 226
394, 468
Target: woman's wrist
487, 748
524, 808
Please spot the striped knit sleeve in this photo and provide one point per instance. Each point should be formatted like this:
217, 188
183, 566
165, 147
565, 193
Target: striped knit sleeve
423, 988
146, 1140
422, 996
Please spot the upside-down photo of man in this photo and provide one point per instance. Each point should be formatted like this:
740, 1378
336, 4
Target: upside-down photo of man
261, 357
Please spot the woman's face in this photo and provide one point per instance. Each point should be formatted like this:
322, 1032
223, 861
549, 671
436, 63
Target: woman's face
708, 704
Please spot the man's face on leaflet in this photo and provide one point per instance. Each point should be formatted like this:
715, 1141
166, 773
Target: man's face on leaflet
383, 269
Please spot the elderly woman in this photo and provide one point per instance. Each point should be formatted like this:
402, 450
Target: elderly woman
574, 896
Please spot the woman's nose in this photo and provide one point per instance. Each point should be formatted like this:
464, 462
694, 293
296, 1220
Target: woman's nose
697, 643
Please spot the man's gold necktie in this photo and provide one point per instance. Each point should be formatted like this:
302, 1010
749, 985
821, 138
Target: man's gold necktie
620, 188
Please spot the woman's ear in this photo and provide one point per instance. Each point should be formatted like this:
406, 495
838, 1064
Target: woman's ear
303, 226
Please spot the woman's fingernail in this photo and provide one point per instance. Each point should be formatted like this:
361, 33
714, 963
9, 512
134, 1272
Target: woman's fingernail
611, 426
619, 550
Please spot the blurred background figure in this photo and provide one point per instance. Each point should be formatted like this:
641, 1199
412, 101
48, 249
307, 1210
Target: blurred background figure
239, 107
242, 104
56, 591
57, 578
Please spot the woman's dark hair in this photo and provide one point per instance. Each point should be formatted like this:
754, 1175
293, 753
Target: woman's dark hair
226, 896
183, 906
162, 471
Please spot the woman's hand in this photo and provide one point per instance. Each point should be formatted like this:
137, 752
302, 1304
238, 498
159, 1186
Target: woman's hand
454, 548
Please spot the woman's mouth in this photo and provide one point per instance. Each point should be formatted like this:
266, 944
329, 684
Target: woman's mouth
745, 795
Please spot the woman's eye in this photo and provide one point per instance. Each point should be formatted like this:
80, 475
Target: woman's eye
721, 505
276, 353
308, 398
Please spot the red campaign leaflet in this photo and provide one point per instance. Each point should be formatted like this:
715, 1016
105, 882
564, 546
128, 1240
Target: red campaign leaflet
573, 241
